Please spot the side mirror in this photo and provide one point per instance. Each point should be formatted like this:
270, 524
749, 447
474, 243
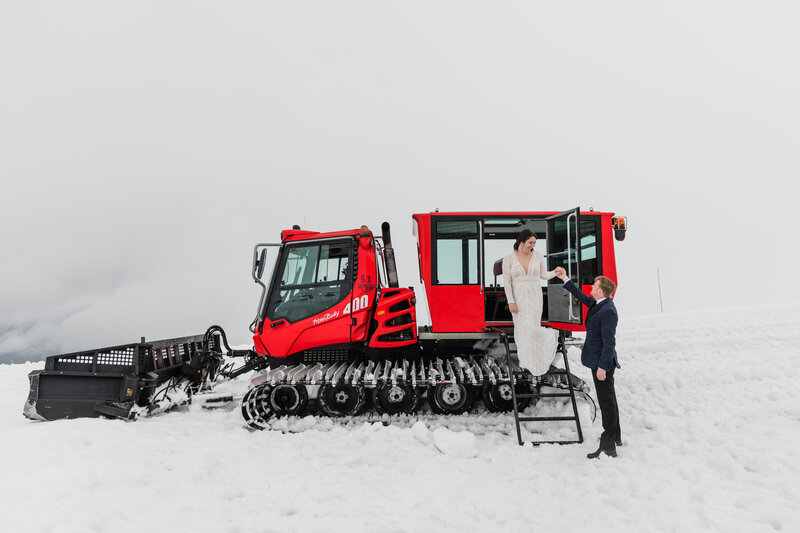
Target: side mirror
260, 263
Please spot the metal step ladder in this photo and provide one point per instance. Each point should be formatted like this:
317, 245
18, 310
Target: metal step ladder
513, 374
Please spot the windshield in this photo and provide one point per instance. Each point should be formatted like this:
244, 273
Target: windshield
312, 278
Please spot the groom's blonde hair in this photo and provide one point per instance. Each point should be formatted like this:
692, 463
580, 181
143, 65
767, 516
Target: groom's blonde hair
606, 285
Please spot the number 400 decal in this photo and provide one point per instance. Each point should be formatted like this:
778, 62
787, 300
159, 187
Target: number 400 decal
358, 304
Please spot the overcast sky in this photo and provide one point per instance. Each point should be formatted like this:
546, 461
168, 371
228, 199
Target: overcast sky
146, 147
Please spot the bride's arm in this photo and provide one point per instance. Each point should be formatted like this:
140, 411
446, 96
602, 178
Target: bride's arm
507, 283
543, 272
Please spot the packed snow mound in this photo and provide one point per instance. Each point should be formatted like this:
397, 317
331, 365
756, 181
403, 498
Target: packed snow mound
710, 413
455, 443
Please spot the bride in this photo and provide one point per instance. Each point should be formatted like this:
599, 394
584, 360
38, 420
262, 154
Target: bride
522, 270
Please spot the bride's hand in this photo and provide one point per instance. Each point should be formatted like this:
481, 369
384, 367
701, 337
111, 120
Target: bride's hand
513, 308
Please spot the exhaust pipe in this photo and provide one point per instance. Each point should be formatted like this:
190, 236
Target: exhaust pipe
388, 256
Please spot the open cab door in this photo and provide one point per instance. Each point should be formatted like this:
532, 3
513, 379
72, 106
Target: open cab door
564, 250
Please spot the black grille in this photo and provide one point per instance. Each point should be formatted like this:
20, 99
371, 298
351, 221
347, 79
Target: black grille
399, 320
390, 292
399, 306
134, 358
326, 356
397, 336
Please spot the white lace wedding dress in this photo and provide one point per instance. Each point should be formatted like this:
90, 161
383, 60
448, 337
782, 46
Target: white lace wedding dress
536, 346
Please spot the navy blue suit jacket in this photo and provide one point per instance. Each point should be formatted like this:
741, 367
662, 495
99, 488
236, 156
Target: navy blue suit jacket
600, 346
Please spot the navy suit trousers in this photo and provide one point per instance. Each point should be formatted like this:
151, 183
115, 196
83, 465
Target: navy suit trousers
607, 398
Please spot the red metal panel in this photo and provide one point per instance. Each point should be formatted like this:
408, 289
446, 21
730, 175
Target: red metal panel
290, 235
334, 331
329, 327
453, 308
456, 308
504, 214
607, 245
424, 247
366, 286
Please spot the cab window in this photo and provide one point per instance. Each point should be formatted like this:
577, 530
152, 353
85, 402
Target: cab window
590, 256
456, 248
313, 278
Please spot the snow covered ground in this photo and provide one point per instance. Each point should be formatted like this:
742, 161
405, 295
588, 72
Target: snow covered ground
710, 409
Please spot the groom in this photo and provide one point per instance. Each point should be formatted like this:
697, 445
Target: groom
599, 354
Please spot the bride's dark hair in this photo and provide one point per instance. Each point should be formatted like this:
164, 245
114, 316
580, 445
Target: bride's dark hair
523, 236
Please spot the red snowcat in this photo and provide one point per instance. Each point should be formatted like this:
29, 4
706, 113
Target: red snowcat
335, 334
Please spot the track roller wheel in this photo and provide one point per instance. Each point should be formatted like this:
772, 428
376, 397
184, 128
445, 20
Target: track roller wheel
288, 399
256, 408
342, 399
395, 399
497, 398
488, 401
451, 398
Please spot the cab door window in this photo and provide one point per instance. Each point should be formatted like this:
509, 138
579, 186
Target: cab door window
590, 256
314, 278
589, 250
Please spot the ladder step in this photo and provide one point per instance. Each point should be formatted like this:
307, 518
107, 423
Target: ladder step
545, 418
556, 373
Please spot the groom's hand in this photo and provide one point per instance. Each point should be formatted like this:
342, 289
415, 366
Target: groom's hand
561, 273
601, 374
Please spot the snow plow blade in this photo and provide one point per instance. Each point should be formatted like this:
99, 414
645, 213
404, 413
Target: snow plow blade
112, 381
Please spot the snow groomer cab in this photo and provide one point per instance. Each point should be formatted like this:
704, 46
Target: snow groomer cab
460, 261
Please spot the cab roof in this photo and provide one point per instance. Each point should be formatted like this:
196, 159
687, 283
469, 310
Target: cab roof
290, 235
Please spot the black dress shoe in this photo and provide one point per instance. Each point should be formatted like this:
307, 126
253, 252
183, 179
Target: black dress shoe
595, 455
618, 443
